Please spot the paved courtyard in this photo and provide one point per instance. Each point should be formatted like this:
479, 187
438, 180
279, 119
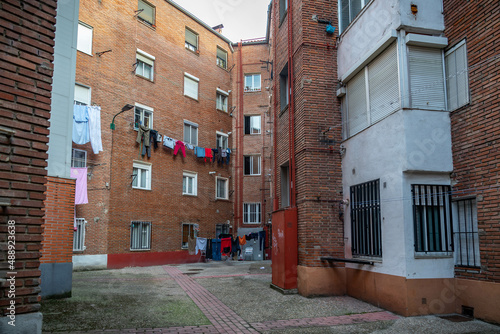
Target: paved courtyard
220, 297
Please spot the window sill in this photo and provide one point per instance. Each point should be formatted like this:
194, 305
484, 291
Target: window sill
141, 189
368, 258
196, 53
224, 68
189, 195
191, 98
253, 134
252, 175
140, 250
145, 78
222, 199
434, 255
150, 25
222, 110
468, 269
253, 91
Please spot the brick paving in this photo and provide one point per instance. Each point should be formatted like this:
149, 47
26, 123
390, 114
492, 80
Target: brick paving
226, 321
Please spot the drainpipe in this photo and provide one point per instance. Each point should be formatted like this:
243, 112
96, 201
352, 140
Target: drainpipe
275, 127
291, 108
241, 121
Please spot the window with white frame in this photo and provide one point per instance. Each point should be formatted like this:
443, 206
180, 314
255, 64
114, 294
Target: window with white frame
140, 235
191, 86
252, 83
146, 13
426, 73
466, 233
221, 58
191, 40
283, 8
144, 65
432, 218
222, 97
143, 115
252, 125
141, 176
348, 11
82, 95
222, 139
78, 158
372, 94
252, 165
189, 183
457, 76
189, 231
251, 213
190, 133
84, 39
221, 191
79, 235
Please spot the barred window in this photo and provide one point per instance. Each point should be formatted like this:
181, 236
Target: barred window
432, 218
140, 235
189, 231
466, 233
366, 229
79, 235
251, 213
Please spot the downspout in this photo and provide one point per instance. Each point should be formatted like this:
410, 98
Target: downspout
240, 135
291, 108
275, 128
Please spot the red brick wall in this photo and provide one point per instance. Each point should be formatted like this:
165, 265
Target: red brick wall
57, 244
475, 127
318, 172
114, 84
26, 55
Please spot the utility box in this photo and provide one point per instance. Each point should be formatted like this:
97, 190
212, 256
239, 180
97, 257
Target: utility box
285, 250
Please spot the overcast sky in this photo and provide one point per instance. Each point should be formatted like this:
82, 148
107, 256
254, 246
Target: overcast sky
242, 19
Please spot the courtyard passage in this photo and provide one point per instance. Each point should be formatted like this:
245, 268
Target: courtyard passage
219, 297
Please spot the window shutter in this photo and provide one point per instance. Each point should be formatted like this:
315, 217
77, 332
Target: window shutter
462, 76
426, 78
191, 38
84, 39
145, 60
356, 104
82, 94
384, 84
190, 88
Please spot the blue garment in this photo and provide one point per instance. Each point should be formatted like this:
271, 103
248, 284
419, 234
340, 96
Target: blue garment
199, 151
81, 132
228, 156
216, 254
262, 239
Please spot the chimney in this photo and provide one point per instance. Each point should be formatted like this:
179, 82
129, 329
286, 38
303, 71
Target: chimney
218, 28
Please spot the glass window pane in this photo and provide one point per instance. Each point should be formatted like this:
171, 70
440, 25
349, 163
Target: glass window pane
147, 71
192, 38
194, 136
136, 177
143, 174
255, 124
187, 133
147, 13
256, 165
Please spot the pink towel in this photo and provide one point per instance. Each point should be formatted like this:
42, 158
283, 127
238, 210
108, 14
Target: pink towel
80, 174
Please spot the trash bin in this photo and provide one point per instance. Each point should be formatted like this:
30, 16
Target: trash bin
249, 254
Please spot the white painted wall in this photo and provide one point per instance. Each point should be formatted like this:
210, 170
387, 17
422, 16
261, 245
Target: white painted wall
383, 152
378, 19
86, 262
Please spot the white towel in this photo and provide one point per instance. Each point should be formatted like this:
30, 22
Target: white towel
95, 128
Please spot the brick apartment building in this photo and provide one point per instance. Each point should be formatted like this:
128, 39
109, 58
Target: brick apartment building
168, 71
395, 120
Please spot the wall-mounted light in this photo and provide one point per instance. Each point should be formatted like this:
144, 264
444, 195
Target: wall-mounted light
414, 9
125, 108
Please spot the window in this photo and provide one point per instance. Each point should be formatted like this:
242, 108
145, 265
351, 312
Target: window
191, 40
432, 218
284, 87
141, 176
190, 133
189, 183
143, 116
221, 191
466, 233
144, 65
363, 107
426, 78
252, 82
82, 95
285, 186
84, 39
348, 11
252, 165
147, 13
221, 229
221, 58
252, 125
222, 100
189, 231
366, 231
140, 235
191, 86
222, 140
457, 76
251, 213
78, 158
79, 235
283, 8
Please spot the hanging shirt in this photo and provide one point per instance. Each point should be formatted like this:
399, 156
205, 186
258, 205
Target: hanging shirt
201, 244
243, 240
95, 128
81, 134
80, 174
200, 152
225, 246
168, 142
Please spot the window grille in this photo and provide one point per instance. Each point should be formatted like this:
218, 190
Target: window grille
140, 235
466, 233
79, 235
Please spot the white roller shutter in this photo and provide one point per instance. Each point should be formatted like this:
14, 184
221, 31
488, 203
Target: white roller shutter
384, 84
426, 78
356, 104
